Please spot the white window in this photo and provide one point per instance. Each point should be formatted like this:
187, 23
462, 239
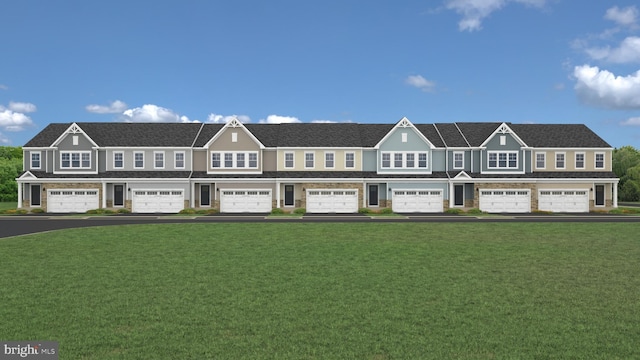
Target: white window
118, 160
458, 160
599, 160
560, 160
289, 160
541, 160
308, 160
215, 160
75, 159
349, 160
329, 160
35, 160
253, 160
397, 160
158, 160
240, 160
386, 160
228, 160
179, 160
503, 160
410, 160
138, 160
579, 160
422, 160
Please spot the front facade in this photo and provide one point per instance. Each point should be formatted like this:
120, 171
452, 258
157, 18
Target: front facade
323, 168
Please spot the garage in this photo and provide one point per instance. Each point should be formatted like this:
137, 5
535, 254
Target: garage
507, 201
157, 201
332, 201
423, 201
72, 200
241, 201
564, 200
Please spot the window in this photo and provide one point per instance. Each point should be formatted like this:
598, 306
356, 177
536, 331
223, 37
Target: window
404, 137
386, 160
75, 159
288, 160
178, 160
458, 160
397, 160
35, 160
541, 160
349, 160
422, 160
579, 160
410, 160
138, 160
215, 160
599, 160
308, 160
118, 160
158, 160
75, 140
329, 160
503, 160
234, 137
234, 160
559, 160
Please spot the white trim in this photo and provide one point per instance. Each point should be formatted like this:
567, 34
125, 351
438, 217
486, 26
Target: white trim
564, 160
114, 159
403, 160
134, 159
80, 159
293, 160
155, 160
584, 160
175, 160
595, 161
234, 161
73, 129
504, 129
354, 160
313, 159
39, 153
405, 123
535, 160
508, 161
333, 159
234, 123
454, 160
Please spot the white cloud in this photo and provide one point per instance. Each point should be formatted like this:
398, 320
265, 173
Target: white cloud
114, 108
13, 121
634, 121
22, 107
223, 119
628, 51
152, 113
323, 121
625, 17
603, 88
420, 82
4, 87
277, 119
4, 139
473, 12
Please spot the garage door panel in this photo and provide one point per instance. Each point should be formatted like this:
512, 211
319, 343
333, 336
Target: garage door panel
252, 201
157, 201
506, 201
332, 201
427, 201
72, 200
564, 200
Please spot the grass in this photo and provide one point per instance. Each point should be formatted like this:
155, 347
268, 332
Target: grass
8, 205
323, 291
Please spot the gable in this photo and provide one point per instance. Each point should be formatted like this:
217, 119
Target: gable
404, 136
503, 138
234, 136
74, 138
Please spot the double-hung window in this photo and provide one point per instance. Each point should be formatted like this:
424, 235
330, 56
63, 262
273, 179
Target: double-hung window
228, 160
386, 160
118, 160
329, 160
404, 160
75, 160
234, 160
308, 160
35, 160
349, 160
215, 160
179, 160
503, 159
410, 160
599, 160
541, 160
397, 160
579, 160
422, 160
560, 161
240, 160
288, 160
253, 160
458, 160
158, 160
138, 160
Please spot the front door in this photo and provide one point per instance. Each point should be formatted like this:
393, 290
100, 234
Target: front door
599, 195
35, 195
205, 195
458, 195
288, 195
373, 195
118, 195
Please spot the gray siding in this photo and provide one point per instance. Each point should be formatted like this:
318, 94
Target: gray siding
439, 160
149, 159
369, 160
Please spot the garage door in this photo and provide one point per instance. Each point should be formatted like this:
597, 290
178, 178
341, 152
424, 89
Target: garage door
564, 200
72, 200
157, 201
427, 201
252, 201
509, 201
332, 201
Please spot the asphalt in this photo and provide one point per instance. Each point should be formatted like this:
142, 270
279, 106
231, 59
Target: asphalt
29, 224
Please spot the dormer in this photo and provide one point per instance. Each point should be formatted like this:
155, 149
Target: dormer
234, 149
503, 152
75, 152
404, 149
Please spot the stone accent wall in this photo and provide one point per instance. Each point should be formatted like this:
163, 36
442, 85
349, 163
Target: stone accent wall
50, 186
320, 186
506, 186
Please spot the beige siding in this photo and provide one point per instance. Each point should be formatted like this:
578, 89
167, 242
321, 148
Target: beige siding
570, 160
270, 160
225, 141
319, 160
200, 160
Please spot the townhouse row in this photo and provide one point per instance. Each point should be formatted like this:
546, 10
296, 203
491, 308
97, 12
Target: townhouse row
324, 168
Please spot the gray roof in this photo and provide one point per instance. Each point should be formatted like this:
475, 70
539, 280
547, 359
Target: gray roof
320, 135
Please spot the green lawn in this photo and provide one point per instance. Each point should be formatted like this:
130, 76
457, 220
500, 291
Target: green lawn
323, 291
8, 205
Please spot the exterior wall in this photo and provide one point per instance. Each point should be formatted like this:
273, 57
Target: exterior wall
149, 159
414, 143
66, 144
102, 160
319, 159
73, 185
570, 160
200, 160
269, 160
510, 145
466, 161
369, 160
438, 160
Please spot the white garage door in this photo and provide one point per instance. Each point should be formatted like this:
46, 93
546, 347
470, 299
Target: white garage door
332, 201
509, 201
157, 201
427, 201
564, 200
252, 201
72, 200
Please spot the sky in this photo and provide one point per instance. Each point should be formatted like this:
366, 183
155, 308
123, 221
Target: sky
432, 61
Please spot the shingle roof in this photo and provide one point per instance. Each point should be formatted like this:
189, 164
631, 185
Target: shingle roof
477, 133
451, 135
206, 133
430, 132
319, 135
48, 135
558, 135
142, 134
371, 134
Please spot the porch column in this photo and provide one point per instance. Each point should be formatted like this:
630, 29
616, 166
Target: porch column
615, 195
193, 194
20, 195
365, 193
104, 195
277, 194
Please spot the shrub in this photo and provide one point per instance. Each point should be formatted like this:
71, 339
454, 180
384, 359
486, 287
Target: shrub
454, 211
365, 211
300, 211
21, 211
187, 211
123, 211
277, 211
385, 211
37, 211
475, 211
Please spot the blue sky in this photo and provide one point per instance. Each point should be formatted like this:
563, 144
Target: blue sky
520, 61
